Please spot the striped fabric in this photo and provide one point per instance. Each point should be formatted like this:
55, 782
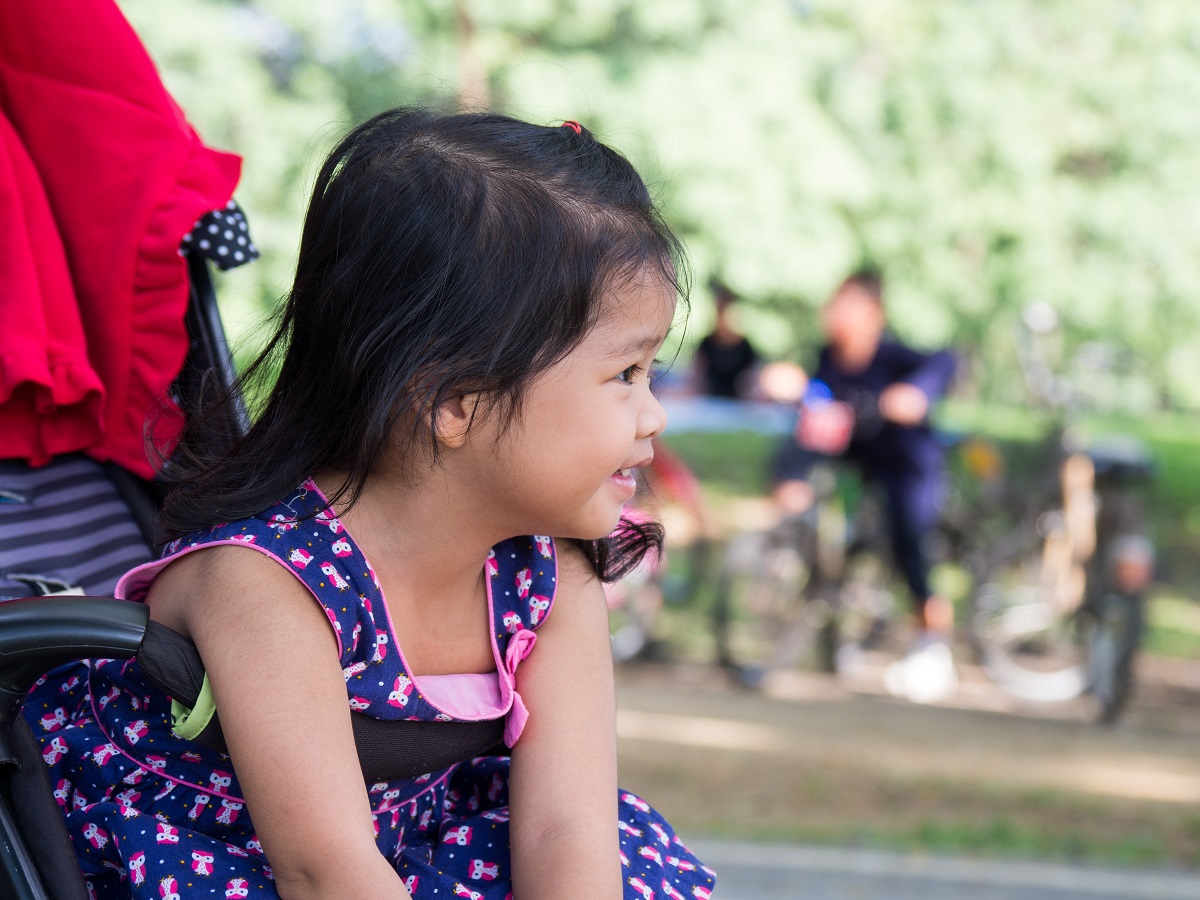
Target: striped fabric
66, 524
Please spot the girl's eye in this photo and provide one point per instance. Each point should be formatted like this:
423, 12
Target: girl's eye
631, 373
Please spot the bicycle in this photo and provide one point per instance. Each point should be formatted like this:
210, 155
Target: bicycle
816, 588
1060, 613
1059, 562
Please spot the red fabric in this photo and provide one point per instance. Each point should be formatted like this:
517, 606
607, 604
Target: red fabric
100, 178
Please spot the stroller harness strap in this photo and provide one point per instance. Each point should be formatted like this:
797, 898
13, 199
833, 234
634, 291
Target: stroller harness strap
387, 750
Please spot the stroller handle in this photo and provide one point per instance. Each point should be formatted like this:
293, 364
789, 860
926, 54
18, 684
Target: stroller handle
39, 633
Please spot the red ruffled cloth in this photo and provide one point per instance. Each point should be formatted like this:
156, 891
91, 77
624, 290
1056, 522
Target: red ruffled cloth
101, 176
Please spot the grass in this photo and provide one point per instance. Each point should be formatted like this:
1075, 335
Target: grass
1173, 629
992, 835
733, 463
849, 806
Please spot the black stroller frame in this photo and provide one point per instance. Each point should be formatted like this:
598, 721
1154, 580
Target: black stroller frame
38, 633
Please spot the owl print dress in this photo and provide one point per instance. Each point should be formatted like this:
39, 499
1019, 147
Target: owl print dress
157, 816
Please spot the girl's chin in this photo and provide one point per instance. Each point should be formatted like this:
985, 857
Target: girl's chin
596, 532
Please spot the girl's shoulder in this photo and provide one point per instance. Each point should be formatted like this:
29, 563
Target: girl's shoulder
187, 583
298, 535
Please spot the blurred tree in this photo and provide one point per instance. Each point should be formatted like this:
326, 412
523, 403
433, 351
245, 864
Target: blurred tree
986, 154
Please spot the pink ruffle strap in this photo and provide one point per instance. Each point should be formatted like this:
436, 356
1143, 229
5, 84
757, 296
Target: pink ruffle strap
520, 645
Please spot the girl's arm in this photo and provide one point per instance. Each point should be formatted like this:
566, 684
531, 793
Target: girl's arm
563, 789
272, 661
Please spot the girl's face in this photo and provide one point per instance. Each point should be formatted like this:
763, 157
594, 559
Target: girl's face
566, 466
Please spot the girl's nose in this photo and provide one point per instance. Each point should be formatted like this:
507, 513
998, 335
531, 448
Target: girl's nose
653, 418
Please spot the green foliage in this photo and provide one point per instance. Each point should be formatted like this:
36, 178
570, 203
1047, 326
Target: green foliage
984, 153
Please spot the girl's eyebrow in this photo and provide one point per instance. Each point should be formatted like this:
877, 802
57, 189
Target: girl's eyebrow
640, 344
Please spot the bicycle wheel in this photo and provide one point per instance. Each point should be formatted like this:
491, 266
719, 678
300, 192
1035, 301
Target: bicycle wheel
1028, 642
861, 612
762, 615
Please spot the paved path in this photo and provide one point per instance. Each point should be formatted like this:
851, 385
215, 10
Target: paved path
757, 872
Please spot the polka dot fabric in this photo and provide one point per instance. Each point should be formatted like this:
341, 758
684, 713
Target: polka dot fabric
222, 236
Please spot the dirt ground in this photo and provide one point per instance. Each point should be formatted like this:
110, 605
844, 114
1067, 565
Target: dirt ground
814, 760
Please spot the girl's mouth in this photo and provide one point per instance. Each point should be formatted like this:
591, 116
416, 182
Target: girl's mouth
624, 479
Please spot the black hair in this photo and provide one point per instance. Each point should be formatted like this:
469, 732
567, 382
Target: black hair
868, 279
441, 255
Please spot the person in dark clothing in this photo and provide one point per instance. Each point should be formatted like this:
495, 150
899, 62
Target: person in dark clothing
725, 358
884, 391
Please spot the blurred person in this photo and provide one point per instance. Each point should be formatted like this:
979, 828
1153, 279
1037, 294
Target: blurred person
869, 401
725, 359
782, 382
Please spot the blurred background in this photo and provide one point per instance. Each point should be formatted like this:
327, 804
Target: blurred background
1013, 168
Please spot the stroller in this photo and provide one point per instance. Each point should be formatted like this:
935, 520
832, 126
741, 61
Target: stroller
72, 527
112, 529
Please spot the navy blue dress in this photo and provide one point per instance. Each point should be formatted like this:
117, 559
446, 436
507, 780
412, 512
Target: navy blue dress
157, 816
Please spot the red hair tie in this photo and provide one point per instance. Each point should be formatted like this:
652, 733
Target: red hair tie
573, 125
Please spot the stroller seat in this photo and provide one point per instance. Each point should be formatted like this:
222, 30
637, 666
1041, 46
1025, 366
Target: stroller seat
65, 530
65, 527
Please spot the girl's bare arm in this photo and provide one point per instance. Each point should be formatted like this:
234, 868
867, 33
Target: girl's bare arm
272, 661
563, 789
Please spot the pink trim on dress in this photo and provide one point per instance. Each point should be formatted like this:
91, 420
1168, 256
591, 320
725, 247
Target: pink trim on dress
417, 796
132, 580
469, 696
520, 645
141, 763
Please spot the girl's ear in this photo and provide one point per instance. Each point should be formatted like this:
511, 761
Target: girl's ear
454, 418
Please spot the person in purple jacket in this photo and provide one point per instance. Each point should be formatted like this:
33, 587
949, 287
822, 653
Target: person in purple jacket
890, 388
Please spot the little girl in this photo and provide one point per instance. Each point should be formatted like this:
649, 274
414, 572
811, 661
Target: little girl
462, 373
